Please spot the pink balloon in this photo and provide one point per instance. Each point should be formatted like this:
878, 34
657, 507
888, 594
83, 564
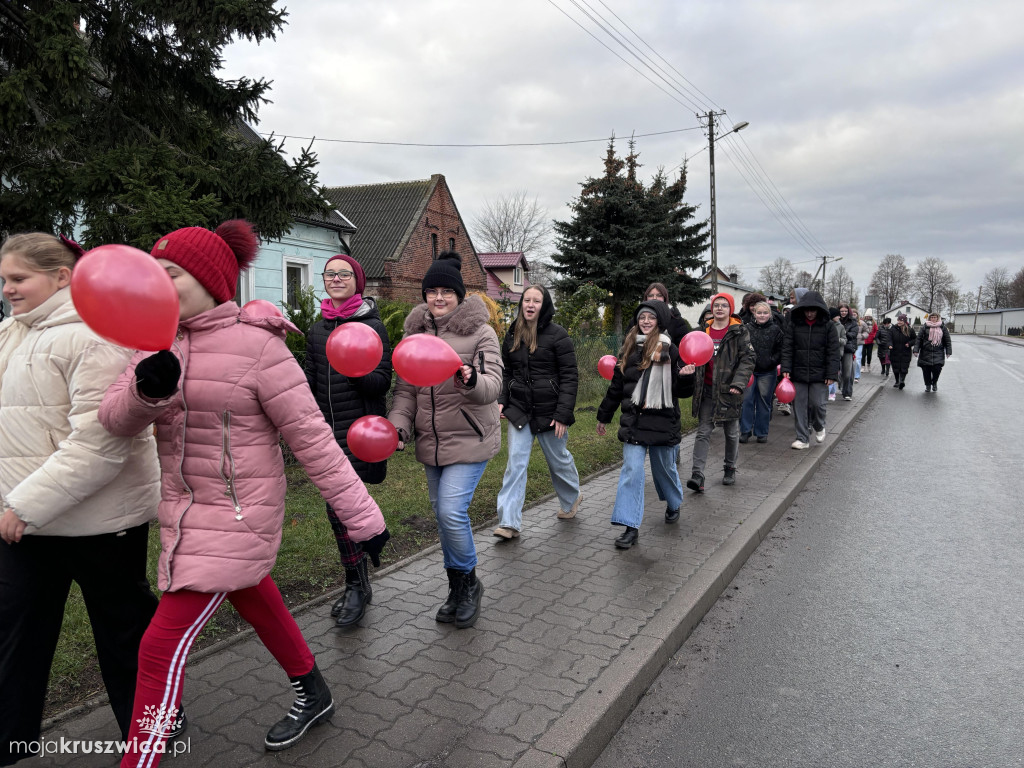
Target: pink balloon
606, 366
696, 348
354, 349
751, 382
126, 297
372, 438
785, 392
425, 360
778, 370
262, 308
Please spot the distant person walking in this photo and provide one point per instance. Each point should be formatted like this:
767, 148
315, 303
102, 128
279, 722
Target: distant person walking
883, 340
766, 339
646, 384
932, 348
718, 390
901, 350
869, 342
849, 323
538, 399
342, 400
810, 359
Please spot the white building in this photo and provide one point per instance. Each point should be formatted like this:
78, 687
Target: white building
990, 321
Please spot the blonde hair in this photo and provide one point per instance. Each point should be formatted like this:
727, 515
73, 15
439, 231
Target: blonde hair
760, 304
42, 252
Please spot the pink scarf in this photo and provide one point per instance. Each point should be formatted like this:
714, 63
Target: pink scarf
934, 332
345, 311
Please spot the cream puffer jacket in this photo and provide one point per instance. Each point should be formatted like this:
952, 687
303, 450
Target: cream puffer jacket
63, 473
454, 424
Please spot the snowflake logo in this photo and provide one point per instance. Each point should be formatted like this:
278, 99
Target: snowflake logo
157, 720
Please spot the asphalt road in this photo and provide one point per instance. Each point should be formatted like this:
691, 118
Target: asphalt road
882, 624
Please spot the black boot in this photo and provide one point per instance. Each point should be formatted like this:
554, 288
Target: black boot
671, 515
696, 482
629, 537
470, 595
313, 705
352, 605
446, 613
730, 476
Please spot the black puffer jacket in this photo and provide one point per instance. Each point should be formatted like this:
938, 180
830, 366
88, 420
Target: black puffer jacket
540, 386
767, 343
646, 426
902, 351
342, 400
929, 354
852, 333
883, 338
811, 353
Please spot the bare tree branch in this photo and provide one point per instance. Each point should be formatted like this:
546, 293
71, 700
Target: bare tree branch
513, 223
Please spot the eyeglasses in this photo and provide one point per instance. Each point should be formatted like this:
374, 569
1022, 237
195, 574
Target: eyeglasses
445, 292
330, 276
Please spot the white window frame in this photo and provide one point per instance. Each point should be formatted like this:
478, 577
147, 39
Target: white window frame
517, 275
305, 264
246, 287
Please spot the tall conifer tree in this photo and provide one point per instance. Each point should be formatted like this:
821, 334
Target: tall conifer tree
113, 115
624, 236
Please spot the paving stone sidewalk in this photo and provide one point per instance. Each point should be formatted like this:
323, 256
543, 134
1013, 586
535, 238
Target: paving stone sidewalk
571, 634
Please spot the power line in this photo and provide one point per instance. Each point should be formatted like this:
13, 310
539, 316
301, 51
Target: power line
473, 146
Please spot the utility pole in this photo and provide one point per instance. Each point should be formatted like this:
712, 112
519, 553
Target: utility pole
977, 306
711, 162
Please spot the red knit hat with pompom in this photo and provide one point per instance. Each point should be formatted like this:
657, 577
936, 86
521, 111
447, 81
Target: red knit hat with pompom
213, 258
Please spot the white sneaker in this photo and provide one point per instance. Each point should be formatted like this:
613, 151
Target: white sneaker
831, 398
800, 445
847, 397
820, 436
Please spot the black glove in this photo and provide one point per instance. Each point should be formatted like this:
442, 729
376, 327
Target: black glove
156, 376
373, 547
467, 383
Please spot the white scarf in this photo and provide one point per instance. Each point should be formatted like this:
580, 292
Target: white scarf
659, 385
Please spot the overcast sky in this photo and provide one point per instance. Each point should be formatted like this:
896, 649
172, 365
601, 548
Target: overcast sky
892, 126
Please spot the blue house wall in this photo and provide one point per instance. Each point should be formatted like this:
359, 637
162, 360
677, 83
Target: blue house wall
305, 247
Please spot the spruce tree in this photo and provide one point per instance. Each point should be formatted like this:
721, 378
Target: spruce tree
624, 236
114, 116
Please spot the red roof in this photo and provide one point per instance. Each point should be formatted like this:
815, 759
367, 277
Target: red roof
502, 260
494, 288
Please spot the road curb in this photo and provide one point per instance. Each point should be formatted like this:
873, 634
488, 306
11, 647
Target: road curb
579, 736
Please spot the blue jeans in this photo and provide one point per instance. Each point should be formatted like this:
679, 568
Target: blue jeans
757, 405
451, 489
629, 498
564, 476
856, 361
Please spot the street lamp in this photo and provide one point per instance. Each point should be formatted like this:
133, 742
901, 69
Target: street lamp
711, 154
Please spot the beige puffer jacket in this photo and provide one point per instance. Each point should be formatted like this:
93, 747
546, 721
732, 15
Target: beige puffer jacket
63, 473
454, 424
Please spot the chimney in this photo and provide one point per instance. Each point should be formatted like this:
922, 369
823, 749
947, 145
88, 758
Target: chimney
732, 277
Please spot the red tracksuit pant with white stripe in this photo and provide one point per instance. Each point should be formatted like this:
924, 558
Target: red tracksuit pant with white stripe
179, 619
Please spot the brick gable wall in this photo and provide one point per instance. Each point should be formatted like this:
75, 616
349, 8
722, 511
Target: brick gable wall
404, 277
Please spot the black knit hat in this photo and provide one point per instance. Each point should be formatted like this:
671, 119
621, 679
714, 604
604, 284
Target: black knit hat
446, 272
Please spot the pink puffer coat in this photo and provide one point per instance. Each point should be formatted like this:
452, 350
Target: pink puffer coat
223, 484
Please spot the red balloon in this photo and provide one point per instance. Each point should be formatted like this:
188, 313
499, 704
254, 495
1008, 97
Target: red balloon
778, 370
126, 297
262, 308
372, 438
696, 348
785, 392
751, 382
425, 360
606, 366
354, 349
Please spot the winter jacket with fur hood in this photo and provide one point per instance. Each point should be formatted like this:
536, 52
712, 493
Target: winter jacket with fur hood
343, 399
812, 353
223, 483
454, 423
540, 386
63, 473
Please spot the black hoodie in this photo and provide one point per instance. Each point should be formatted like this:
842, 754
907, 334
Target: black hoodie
540, 386
811, 353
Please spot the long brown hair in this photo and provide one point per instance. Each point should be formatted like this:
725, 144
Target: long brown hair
650, 352
523, 331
